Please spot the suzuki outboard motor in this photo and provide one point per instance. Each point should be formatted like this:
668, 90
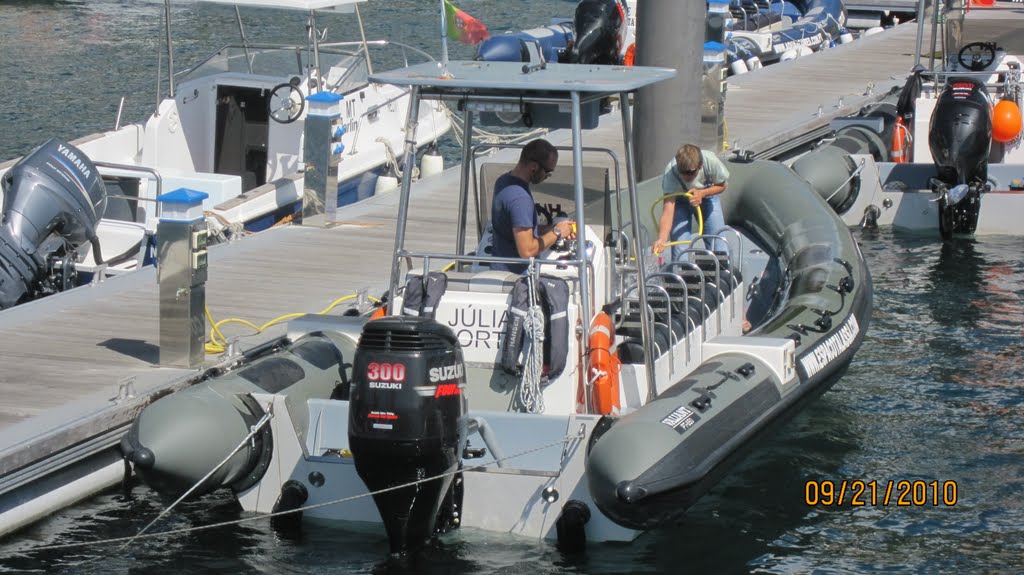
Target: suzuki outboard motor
960, 139
407, 423
53, 200
599, 27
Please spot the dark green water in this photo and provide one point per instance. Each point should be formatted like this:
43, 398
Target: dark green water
934, 394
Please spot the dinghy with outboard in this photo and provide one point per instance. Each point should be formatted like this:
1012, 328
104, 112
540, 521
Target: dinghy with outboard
949, 156
593, 397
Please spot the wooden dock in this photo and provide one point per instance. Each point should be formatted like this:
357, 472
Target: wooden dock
68, 357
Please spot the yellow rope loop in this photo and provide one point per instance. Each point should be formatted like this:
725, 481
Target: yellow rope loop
218, 341
657, 221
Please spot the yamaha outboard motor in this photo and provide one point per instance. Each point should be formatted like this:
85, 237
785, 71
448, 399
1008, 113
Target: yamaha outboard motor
53, 200
960, 139
407, 423
599, 28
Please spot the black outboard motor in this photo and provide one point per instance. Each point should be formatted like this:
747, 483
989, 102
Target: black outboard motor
407, 423
960, 139
600, 32
53, 200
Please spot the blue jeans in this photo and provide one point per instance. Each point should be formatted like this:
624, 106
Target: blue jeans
713, 224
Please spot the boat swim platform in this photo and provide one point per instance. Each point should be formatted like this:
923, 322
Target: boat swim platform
68, 358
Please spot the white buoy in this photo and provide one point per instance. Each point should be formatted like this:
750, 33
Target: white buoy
754, 63
788, 55
844, 36
386, 183
872, 31
802, 51
738, 66
431, 163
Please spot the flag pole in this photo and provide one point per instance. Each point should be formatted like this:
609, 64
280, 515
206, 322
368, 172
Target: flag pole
444, 41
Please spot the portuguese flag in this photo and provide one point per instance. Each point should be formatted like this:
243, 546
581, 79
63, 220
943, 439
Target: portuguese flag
463, 27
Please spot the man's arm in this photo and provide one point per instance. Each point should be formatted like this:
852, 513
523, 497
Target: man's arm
529, 246
668, 210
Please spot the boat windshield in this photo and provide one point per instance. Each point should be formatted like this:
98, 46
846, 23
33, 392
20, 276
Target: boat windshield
344, 64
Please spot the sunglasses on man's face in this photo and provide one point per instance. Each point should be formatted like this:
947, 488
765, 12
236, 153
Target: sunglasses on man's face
690, 172
547, 172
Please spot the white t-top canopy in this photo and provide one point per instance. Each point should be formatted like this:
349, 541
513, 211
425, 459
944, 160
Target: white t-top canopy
294, 4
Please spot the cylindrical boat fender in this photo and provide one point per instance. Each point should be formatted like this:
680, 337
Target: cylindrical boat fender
431, 163
738, 66
604, 365
754, 63
386, 183
845, 37
788, 55
872, 31
802, 51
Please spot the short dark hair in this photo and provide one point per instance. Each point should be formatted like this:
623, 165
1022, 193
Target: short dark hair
539, 150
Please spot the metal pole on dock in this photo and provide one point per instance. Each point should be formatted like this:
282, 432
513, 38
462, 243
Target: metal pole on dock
668, 114
920, 31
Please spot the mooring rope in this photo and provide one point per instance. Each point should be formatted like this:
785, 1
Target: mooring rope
140, 535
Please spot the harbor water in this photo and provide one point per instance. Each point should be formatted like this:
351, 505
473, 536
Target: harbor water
925, 430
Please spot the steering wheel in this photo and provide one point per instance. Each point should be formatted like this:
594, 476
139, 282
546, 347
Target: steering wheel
286, 103
977, 56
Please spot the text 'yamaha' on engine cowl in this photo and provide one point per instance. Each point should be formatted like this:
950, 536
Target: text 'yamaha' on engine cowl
407, 425
960, 140
53, 200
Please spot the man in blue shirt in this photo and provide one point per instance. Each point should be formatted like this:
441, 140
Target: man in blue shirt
701, 173
513, 215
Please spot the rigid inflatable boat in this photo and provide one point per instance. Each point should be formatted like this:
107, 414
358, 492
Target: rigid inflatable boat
593, 397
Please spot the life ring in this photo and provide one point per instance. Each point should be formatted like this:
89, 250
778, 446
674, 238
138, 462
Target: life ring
603, 372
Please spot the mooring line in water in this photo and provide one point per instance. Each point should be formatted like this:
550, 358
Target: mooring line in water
142, 535
252, 433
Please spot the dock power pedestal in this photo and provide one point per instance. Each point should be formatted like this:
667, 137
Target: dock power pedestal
181, 272
322, 153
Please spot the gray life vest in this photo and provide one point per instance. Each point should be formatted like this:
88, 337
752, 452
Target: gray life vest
553, 297
422, 295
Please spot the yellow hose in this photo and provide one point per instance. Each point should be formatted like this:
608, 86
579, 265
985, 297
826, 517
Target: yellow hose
657, 221
218, 341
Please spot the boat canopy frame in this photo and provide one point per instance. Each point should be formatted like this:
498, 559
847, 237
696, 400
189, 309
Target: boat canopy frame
474, 86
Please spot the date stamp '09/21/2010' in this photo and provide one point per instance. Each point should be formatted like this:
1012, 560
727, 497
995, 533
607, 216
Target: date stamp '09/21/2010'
891, 492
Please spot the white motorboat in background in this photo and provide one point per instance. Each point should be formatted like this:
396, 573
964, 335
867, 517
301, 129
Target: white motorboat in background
231, 127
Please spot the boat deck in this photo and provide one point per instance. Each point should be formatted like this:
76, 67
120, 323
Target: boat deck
65, 356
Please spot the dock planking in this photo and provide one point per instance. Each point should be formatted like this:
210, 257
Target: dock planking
65, 356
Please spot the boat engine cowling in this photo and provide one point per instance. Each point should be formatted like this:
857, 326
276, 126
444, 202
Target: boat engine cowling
599, 29
407, 423
53, 200
960, 140
960, 137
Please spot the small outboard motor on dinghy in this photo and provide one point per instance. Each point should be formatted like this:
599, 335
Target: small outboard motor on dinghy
53, 200
407, 423
960, 140
600, 32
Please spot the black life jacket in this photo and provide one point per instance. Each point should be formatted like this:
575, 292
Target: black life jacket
553, 296
421, 295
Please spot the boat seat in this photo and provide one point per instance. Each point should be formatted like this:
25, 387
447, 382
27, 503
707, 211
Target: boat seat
691, 293
632, 350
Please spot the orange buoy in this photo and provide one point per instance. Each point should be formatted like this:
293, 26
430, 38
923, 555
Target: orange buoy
898, 152
630, 55
604, 365
1006, 122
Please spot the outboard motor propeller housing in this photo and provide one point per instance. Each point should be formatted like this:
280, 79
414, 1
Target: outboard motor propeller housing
407, 422
960, 140
600, 32
53, 200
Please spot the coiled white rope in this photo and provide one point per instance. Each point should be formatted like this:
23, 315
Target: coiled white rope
486, 137
530, 394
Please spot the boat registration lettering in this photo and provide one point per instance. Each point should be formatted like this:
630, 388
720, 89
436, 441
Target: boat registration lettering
681, 419
815, 360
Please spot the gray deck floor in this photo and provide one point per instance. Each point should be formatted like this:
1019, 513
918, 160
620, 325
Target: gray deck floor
64, 356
